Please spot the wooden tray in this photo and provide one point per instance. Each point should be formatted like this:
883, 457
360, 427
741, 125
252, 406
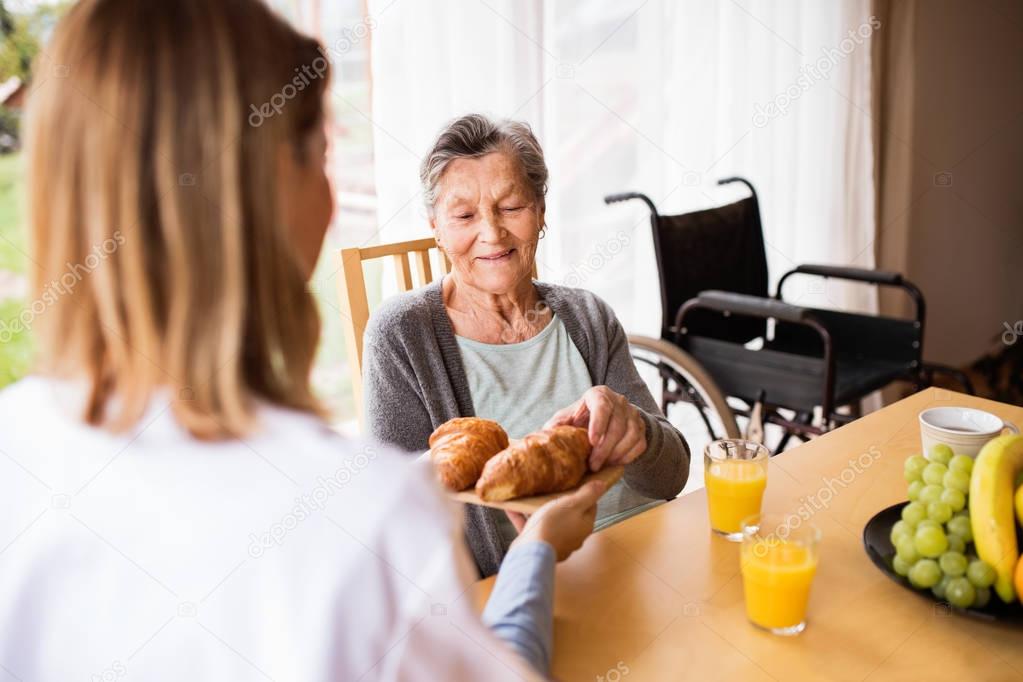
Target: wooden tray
528, 505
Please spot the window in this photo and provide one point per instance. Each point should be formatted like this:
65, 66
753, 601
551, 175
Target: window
343, 27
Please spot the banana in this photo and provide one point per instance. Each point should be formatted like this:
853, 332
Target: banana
1019, 580
991, 508
1019, 505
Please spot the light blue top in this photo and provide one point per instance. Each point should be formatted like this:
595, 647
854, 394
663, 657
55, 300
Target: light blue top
520, 385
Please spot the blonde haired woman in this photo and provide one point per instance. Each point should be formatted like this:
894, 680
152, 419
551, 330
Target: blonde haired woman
175, 507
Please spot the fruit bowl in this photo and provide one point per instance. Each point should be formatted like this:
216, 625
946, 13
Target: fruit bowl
877, 543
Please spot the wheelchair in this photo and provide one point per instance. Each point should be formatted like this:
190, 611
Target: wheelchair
728, 349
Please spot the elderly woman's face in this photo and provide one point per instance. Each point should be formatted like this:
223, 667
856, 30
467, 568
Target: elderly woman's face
488, 220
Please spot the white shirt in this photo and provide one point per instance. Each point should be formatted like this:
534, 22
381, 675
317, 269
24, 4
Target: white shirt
295, 554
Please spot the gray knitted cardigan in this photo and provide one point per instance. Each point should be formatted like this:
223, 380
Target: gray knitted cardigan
414, 381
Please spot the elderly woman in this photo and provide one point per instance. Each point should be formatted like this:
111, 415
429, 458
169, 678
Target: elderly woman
488, 341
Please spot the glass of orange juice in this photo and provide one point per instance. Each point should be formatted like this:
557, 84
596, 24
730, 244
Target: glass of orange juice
735, 475
778, 562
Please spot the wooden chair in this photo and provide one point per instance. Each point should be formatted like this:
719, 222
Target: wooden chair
351, 289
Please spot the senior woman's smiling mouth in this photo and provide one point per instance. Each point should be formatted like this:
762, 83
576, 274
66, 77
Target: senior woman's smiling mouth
497, 256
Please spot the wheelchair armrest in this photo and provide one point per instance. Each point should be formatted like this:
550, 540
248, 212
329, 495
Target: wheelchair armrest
879, 277
856, 274
757, 306
754, 306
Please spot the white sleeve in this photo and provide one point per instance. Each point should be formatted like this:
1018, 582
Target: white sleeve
440, 635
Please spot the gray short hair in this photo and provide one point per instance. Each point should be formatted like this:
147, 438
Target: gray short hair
475, 135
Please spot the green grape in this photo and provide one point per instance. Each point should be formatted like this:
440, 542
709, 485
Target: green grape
959, 592
955, 499
957, 480
930, 493
934, 473
939, 511
914, 513
900, 528
956, 543
914, 467
905, 549
982, 598
925, 573
952, 564
939, 589
981, 573
927, 523
930, 542
914, 490
940, 453
960, 525
963, 463
901, 567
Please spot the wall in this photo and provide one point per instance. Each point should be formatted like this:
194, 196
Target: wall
951, 166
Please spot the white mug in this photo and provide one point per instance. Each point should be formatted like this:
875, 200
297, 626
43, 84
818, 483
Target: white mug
964, 429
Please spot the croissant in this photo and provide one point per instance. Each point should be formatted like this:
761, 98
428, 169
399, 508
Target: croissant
547, 461
460, 447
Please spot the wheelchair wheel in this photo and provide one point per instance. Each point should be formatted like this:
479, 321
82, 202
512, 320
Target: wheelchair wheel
678, 380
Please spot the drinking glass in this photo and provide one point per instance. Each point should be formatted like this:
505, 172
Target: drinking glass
735, 475
778, 560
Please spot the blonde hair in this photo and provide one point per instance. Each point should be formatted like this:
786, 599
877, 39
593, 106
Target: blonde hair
152, 192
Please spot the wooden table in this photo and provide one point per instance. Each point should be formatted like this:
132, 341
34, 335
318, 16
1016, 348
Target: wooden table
660, 597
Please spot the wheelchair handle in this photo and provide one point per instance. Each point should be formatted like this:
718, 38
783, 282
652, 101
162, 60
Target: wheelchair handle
621, 196
626, 196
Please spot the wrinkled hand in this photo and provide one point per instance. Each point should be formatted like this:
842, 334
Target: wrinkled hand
563, 523
617, 432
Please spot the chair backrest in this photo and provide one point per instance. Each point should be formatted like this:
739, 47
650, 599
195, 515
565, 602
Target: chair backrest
351, 289
718, 248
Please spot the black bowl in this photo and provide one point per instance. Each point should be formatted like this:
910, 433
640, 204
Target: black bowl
880, 550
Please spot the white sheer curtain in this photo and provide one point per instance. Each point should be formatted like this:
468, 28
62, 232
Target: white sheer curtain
432, 62
662, 97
